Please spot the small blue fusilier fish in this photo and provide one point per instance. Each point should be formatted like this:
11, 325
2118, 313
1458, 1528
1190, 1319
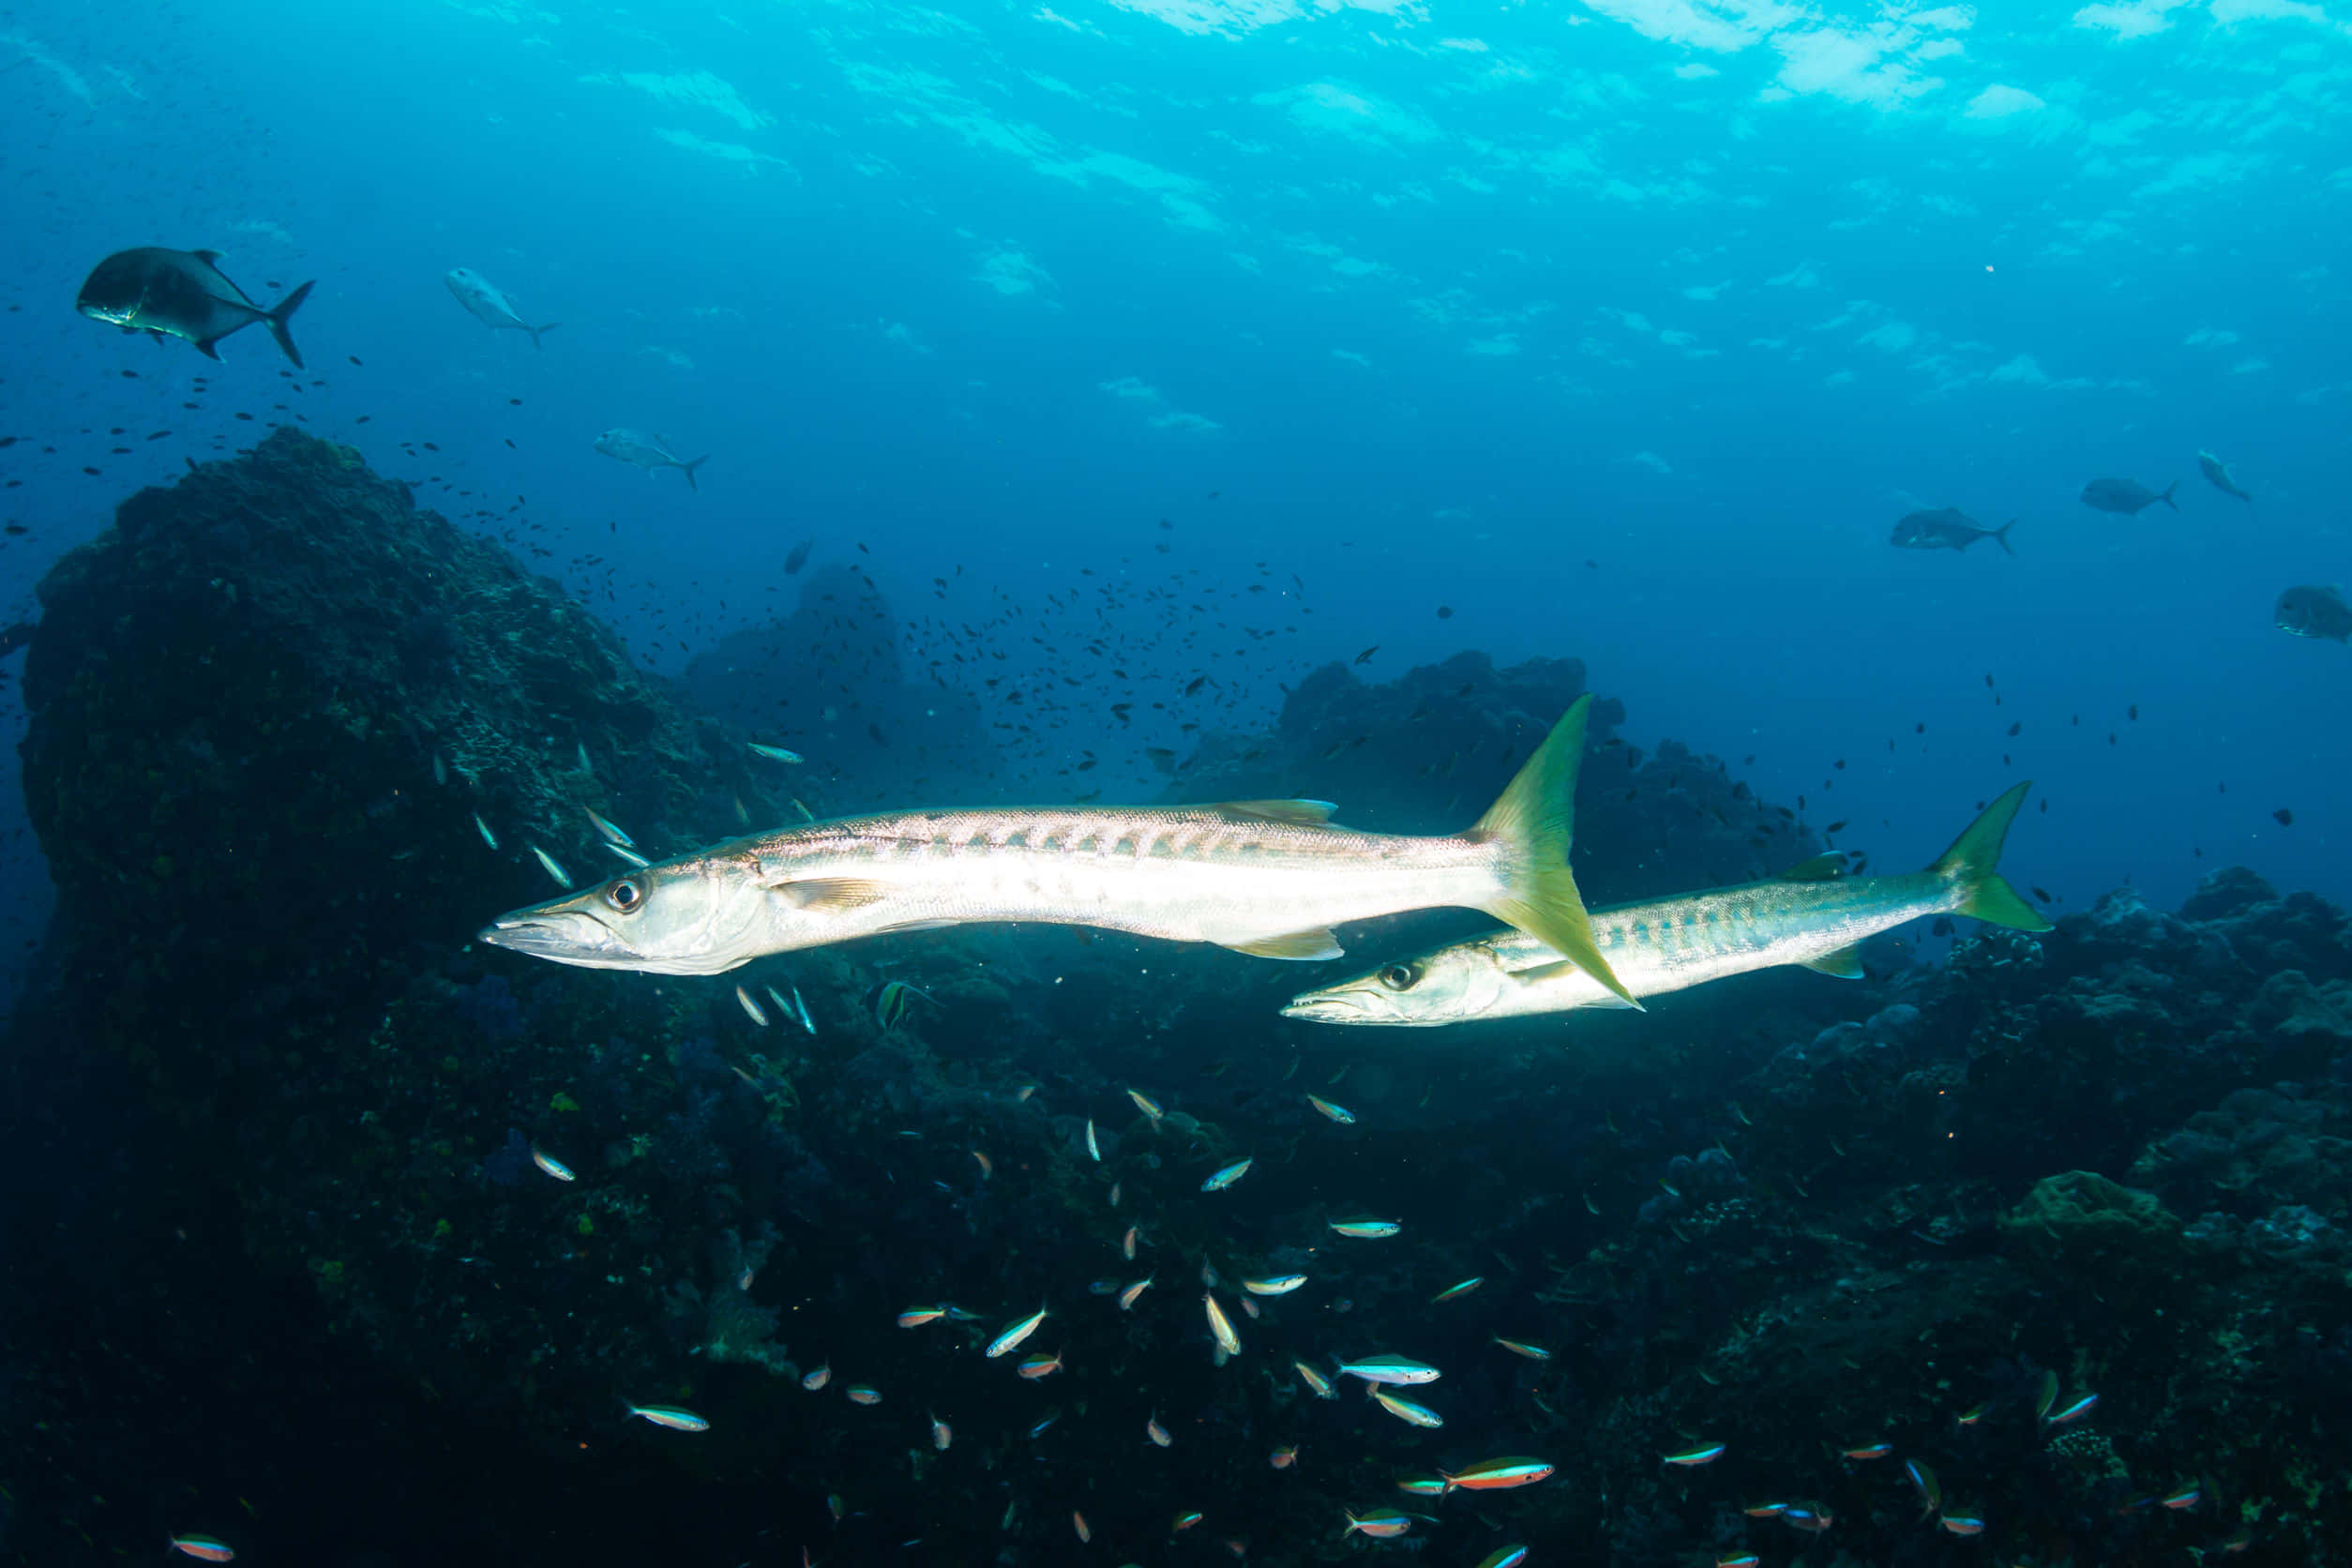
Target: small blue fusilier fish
488, 306
181, 293
647, 451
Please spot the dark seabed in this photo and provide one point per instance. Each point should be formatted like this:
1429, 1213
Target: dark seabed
284, 1271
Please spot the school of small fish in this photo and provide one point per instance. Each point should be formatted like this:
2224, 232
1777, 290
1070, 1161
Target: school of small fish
1812, 915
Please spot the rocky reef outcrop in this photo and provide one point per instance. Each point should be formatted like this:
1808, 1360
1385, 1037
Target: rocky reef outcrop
827, 679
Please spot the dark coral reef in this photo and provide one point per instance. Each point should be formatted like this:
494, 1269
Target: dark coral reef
293, 739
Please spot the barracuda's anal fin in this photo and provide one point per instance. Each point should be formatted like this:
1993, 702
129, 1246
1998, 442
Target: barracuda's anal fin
1846, 963
1315, 813
1304, 946
1821, 868
830, 895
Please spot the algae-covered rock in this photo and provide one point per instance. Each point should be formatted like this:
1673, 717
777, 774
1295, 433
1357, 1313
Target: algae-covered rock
2080, 1223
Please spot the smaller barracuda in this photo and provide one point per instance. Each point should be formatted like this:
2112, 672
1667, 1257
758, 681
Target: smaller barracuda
1270, 878
1810, 916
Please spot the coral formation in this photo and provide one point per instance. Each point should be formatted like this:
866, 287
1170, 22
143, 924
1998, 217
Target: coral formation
2080, 1223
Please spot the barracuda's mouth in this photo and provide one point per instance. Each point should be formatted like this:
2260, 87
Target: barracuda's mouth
1327, 1007
564, 931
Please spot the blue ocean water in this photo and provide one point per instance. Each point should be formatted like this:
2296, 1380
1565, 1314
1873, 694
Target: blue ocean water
1624, 331
1126, 346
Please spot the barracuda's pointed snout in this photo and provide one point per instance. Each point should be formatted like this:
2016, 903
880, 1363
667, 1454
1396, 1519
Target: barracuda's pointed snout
1445, 987
685, 916
1360, 999
567, 930
1323, 1006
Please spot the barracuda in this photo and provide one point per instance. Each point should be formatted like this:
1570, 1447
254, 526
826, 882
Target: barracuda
1266, 877
1808, 916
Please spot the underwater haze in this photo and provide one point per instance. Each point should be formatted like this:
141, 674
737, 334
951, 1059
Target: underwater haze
1621, 330
461, 460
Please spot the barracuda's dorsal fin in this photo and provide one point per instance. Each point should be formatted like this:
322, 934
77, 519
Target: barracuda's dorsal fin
1316, 813
830, 895
1846, 963
1821, 868
1306, 947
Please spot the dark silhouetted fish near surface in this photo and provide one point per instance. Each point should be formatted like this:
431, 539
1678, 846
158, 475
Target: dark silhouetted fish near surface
2216, 472
2314, 609
1948, 528
1265, 877
488, 306
2127, 496
647, 452
180, 293
799, 557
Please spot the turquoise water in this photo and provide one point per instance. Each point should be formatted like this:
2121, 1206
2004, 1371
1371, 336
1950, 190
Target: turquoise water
1623, 331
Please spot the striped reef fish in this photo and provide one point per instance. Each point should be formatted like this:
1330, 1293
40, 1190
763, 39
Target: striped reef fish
1265, 877
1809, 916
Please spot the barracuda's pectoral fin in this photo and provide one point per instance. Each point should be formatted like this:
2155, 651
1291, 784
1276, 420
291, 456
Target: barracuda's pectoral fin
1315, 813
830, 895
1821, 868
1304, 946
1544, 974
1846, 963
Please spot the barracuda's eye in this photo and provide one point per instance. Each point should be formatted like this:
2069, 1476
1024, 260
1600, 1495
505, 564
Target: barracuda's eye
625, 896
1400, 978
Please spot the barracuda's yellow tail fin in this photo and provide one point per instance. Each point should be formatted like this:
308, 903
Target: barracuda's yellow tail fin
1968, 865
1536, 816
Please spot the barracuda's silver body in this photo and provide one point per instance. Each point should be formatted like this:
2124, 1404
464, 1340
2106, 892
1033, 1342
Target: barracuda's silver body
1266, 877
1670, 944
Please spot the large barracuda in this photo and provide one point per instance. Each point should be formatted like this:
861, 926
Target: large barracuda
1267, 877
1809, 916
